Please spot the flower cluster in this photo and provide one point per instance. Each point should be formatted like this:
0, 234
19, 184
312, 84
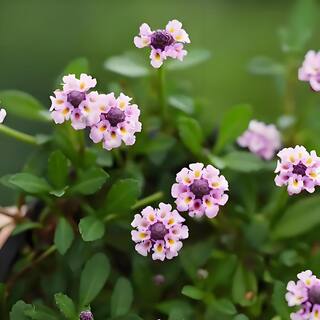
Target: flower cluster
160, 231
200, 190
163, 43
262, 139
86, 315
310, 70
110, 119
304, 293
3, 114
298, 170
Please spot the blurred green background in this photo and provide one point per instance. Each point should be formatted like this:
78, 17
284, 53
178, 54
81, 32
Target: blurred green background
38, 38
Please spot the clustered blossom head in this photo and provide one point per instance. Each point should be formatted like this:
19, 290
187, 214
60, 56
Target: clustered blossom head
298, 170
86, 315
163, 43
304, 293
159, 231
261, 139
111, 120
200, 190
118, 121
3, 114
310, 70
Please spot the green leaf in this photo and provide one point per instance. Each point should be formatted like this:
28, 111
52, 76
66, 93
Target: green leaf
121, 298
63, 236
243, 161
18, 311
240, 317
122, 196
91, 228
30, 183
234, 123
192, 292
93, 278
58, 169
24, 226
66, 306
265, 66
299, 218
244, 286
77, 66
278, 300
193, 58
301, 24
40, 313
176, 314
224, 306
23, 105
191, 134
182, 102
90, 181
129, 64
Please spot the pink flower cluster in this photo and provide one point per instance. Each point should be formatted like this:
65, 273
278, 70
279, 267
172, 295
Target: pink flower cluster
200, 190
160, 231
310, 70
163, 43
261, 139
304, 293
298, 170
3, 114
111, 120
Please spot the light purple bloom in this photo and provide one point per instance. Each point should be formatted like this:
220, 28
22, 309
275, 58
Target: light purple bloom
75, 102
298, 170
310, 70
261, 139
159, 231
86, 315
304, 293
118, 121
200, 190
163, 43
3, 114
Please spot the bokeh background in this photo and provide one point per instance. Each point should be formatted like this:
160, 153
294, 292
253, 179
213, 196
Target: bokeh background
38, 38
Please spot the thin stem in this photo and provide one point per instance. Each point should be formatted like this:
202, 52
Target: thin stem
24, 137
147, 200
162, 93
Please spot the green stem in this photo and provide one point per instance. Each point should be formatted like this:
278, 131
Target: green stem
24, 137
143, 202
162, 93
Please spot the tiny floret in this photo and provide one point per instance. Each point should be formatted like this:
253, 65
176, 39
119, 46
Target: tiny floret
86, 315
298, 170
305, 294
261, 139
165, 43
159, 232
200, 190
310, 70
118, 121
74, 102
3, 114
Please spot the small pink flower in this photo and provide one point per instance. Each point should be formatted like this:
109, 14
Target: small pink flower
310, 70
159, 231
305, 293
298, 170
163, 43
200, 190
118, 121
75, 102
3, 114
261, 139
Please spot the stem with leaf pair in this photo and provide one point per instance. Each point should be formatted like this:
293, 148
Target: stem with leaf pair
18, 135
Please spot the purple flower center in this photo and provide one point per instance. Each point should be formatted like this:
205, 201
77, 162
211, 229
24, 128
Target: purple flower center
76, 97
158, 231
115, 116
299, 168
86, 315
200, 188
161, 39
314, 294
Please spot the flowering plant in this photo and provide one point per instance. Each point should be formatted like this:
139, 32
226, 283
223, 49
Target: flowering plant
131, 208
